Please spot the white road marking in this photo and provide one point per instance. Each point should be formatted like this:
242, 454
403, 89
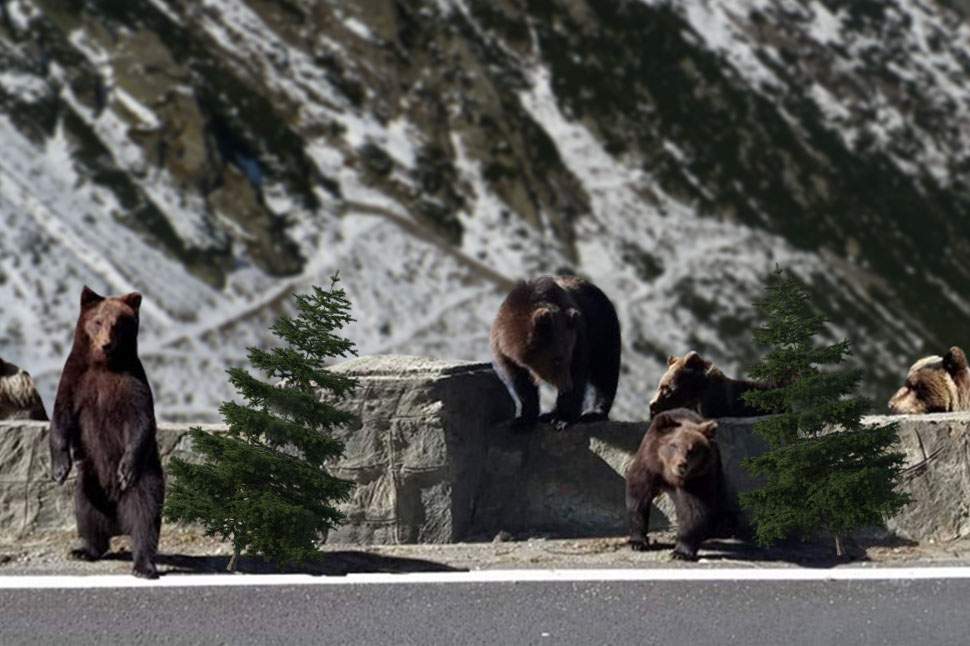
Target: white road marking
488, 576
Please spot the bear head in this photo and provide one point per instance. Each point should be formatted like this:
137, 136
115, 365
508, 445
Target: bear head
553, 331
108, 326
934, 385
682, 386
685, 445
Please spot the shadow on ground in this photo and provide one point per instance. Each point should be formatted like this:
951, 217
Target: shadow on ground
809, 555
328, 564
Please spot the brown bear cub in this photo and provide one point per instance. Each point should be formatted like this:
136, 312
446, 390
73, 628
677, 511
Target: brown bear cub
678, 455
695, 383
104, 419
564, 331
19, 398
935, 385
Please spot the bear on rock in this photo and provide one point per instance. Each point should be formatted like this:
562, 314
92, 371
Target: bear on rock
562, 330
678, 456
104, 420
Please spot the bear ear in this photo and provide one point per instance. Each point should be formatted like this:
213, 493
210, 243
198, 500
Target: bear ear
132, 300
89, 297
573, 316
671, 360
955, 360
542, 319
696, 361
707, 429
664, 422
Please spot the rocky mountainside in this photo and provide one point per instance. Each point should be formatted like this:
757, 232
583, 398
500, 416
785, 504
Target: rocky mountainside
219, 154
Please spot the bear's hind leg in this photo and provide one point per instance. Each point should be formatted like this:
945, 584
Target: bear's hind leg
140, 511
94, 524
604, 376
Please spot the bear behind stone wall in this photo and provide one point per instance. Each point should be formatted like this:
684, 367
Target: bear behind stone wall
934, 385
695, 383
19, 398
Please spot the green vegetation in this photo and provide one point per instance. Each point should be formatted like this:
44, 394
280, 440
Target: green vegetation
825, 472
264, 484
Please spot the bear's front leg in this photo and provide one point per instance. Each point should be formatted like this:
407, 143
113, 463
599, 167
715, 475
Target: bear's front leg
638, 511
569, 400
139, 433
523, 389
694, 516
60, 440
60, 464
569, 406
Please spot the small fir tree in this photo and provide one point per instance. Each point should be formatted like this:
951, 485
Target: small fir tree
824, 472
264, 485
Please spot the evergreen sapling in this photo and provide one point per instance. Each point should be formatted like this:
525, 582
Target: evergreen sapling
825, 472
264, 485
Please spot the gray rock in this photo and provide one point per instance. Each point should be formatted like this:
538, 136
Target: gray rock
937, 449
434, 460
417, 453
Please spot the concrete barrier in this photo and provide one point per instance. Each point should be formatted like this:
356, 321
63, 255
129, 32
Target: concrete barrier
434, 461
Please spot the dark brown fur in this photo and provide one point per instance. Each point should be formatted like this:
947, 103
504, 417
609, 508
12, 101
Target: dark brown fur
104, 419
694, 383
19, 398
935, 385
678, 455
564, 331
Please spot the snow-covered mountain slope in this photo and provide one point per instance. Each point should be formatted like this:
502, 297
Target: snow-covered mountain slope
219, 155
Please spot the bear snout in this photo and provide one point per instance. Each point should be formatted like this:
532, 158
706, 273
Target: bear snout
903, 402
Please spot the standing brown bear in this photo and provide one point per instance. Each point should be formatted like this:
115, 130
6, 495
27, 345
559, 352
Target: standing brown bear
104, 418
678, 456
562, 330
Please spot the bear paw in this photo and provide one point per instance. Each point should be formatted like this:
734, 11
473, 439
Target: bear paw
60, 469
126, 471
81, 554
145, 571
639, 546
681, 554
593, 417
552, 419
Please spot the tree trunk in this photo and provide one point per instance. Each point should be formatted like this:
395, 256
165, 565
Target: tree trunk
232, 561
839, 548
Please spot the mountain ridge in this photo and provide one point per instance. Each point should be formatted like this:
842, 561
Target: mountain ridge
220, 155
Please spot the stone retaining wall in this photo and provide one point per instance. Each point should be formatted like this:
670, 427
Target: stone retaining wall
434, 461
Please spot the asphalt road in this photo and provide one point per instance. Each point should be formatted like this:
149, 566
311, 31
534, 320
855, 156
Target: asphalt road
928, 611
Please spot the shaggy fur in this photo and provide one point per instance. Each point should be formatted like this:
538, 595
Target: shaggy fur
678, 455
694, 383
19, 398
934, 385
563, 331
104, 419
